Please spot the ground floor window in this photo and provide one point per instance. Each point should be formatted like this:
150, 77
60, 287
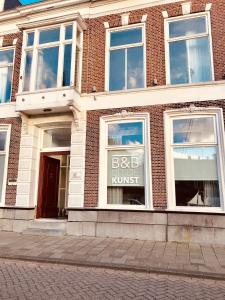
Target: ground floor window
194, 159
125, 163
4, 152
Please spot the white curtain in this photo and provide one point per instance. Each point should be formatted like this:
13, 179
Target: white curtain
115, 195
211, 195
199, 59
3, 83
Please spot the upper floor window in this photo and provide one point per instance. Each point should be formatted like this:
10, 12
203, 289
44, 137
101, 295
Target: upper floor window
50, 57
189, 50
6, 74
194, 159
125, 59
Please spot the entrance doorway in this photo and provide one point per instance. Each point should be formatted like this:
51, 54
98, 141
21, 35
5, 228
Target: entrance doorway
53, 185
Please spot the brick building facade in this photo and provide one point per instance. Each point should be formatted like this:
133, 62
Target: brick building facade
117, 119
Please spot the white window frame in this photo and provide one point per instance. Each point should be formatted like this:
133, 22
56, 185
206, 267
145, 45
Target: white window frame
169, 116
5, 128
127, 46
103, 158
9, 65
53, 149
61, 43
168, 40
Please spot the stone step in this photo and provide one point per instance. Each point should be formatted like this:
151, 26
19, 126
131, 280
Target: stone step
46, 232
48, 224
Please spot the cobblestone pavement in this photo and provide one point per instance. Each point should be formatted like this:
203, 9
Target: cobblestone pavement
194, 259
31, 280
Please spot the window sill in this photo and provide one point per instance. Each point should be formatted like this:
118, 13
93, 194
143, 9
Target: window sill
157, 88
196, 210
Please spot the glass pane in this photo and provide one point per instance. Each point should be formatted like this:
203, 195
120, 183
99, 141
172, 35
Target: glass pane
178, 63
2, 167
6, 56
27, 74
194, 130
30, 39
69, 32
125, 37
47, 69
49, 36
196, 176
126, 177
135, 68
57, 137
187, 27
199, 59
67, 65
117, 70
3, 135
125, 134
5, 84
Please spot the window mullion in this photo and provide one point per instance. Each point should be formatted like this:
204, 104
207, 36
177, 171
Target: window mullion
126, 71
73, 55
61, 57
34, 61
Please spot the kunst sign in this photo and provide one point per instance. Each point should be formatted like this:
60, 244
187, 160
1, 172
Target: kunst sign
126, 168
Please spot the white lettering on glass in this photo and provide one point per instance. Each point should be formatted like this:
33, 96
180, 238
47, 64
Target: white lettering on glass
125, 162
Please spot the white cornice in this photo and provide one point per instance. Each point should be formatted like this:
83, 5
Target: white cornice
159, 95
54, 20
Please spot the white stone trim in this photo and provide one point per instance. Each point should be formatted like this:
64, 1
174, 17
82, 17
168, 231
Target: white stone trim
208, 6
186, 8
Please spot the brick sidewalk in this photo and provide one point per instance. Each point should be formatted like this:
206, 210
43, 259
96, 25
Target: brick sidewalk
174, 258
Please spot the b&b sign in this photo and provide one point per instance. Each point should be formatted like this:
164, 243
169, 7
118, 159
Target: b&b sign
126, 168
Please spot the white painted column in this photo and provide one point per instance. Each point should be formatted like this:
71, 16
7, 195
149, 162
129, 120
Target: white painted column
2, 3
77, 163
28, 168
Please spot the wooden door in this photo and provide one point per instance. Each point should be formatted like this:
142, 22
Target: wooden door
49, 188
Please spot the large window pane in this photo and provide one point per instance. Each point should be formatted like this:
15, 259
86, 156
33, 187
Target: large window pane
48, 36
6, 56
126, 177
178, 62
47, 69
5, 84
117, 70
3, 135
190, 61
196, 176
135, 68
67, 65
199, 59
57, 137
187, 27
125, 133
130, 36
2, 168
194, 130
27, 74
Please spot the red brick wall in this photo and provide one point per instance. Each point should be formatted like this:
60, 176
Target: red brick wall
94, 42
14, 148
10, 197
157, 149
8, 41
